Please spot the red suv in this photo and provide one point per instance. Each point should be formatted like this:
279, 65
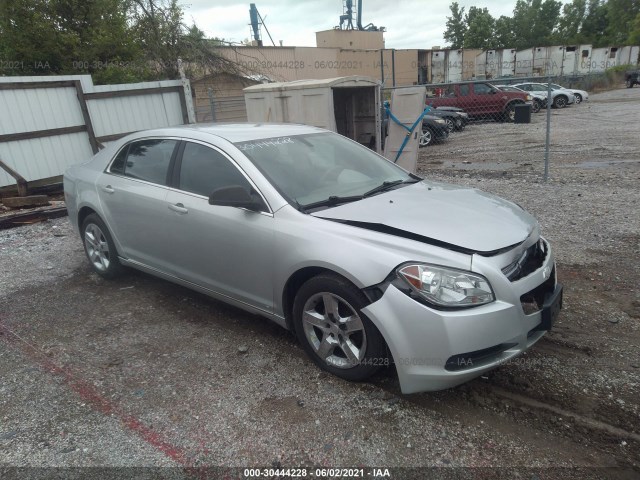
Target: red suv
477, 99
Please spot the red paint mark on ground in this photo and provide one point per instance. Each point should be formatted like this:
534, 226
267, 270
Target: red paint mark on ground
93, 397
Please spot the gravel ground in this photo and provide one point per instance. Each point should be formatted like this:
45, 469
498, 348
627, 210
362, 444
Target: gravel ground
141, 372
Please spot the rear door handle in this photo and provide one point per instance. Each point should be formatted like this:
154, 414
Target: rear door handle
178, 207
108, 189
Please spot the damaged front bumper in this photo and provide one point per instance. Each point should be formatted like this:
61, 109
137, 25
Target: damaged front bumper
437, 349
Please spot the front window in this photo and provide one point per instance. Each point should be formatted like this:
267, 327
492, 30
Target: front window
482, 89
203, 170
307, 169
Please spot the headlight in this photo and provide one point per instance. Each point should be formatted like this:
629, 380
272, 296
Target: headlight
463, 114
441, 121
447, 287
529, 98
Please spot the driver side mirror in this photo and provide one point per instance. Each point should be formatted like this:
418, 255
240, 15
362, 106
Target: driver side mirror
235, 196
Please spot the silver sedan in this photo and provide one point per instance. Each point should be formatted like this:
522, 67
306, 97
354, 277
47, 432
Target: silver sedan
369, 265
560, 97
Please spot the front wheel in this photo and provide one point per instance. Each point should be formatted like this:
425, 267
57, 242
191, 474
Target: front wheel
426, 138
578, 98
334, 332
629, 83
99, 247
560, 101
510, 113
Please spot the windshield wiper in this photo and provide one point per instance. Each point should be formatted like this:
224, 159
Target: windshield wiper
332, 201
387, 185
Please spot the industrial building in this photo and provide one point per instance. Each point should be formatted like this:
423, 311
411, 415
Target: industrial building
350, 49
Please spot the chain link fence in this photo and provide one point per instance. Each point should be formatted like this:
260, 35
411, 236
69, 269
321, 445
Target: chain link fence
457, 107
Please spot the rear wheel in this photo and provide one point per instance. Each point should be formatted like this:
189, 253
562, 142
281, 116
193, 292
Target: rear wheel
334, 332
536, 105
629, 83
427, 137
560, 101
451, 126
99, 247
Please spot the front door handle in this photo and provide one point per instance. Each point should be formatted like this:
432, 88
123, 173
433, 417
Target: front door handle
178, 207
108, 189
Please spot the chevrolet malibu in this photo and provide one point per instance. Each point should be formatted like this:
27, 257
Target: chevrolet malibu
367, 264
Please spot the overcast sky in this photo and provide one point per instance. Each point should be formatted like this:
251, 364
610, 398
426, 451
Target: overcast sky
409, 23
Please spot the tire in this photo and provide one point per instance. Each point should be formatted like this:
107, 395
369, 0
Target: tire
578, 98
459, 125
343, 342
510, 113
99, 247
427, 137
560, 101
451, 126
629, 83
536, 105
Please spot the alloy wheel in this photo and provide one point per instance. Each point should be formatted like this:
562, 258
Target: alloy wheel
450, 124
97, 247
425, 138
334, 330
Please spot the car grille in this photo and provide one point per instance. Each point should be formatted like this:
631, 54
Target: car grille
530, 261
533, 300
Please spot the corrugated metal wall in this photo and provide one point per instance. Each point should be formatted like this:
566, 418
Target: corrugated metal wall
30, 142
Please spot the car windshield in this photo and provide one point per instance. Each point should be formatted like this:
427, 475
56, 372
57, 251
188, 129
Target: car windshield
312, 168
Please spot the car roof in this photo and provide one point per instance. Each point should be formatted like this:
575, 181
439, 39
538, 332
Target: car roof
235, 132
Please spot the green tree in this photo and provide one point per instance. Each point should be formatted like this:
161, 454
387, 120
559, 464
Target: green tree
164, 37
634, 34
594, 27
503, 32
570, 23
64, 36
534, 22
480, 26
620, 18
456, 26
114, 40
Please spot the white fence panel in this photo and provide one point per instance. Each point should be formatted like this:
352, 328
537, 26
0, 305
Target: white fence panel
47, 126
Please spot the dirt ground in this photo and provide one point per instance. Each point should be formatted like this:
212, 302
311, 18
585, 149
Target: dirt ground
138, 372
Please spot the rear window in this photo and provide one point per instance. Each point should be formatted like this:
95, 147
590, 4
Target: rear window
146, 160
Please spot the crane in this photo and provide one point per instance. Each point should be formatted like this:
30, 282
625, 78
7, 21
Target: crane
347, 18
256, 22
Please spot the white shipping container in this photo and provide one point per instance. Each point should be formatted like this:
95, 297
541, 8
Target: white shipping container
454, 66
524, 63
438, 58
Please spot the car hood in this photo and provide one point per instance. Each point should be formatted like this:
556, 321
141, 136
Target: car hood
461, 219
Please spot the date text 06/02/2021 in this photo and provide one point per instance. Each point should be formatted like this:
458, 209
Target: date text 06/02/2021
317, 473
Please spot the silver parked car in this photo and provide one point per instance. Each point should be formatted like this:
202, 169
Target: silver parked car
580, 95
369, 265
560, 98
538, 100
